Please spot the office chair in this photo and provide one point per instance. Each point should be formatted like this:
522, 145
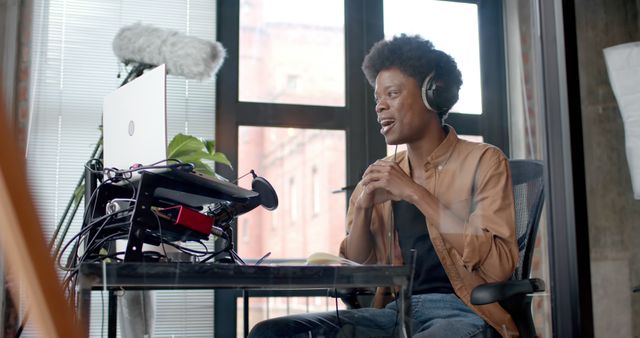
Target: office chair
514, 295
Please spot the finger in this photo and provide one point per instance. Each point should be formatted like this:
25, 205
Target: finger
379, 168
370, 169
373, 172
373, 177
380, 193
383, 163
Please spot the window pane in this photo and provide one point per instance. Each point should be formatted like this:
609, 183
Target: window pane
292, 52
527, 128
305, 167
453, 28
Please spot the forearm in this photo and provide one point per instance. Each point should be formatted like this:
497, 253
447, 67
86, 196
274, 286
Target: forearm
359, 241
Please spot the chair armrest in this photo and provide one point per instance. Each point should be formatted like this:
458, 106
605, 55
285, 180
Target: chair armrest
501, 291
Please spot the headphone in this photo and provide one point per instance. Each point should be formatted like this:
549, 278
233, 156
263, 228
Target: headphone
438, 93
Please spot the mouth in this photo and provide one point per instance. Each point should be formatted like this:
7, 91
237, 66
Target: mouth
386, 124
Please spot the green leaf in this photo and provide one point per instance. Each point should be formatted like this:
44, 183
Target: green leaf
199, 165
210, 145
222, 178
192, 158
78, 194
221, 158
198, 151
203, 168
182, 145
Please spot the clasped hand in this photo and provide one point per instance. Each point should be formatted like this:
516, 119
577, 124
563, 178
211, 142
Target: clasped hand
384, 181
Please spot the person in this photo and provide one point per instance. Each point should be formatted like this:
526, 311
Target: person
449, 199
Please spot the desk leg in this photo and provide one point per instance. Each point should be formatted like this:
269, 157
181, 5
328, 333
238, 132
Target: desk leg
113, 315
84, 303
405, 310
245, 312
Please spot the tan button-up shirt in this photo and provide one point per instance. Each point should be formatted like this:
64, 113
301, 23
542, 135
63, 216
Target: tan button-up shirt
474, 182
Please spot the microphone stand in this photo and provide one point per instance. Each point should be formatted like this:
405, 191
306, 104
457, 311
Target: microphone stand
136, 71
230, 250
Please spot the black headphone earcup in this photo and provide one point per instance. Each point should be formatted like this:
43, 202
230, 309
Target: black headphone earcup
438, 95
443, 97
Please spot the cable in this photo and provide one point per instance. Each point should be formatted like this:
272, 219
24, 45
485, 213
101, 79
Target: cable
93, 242
186, 250
160, 231
215, 253
90, 246
79, 238
241, 177
64, 249
87, 205
391, 222
126, 174
391, 246
93, 247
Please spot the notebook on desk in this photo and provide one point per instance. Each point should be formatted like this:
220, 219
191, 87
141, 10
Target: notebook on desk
134, 122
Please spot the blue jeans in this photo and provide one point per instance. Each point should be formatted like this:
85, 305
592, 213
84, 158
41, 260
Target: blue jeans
432, 315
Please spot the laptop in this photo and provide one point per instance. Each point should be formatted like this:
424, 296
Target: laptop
134, 122
134, 127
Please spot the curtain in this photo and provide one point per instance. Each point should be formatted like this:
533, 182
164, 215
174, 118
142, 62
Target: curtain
72, 69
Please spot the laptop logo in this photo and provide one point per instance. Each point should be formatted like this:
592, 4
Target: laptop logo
132, 128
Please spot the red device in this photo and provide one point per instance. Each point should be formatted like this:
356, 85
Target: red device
188, 218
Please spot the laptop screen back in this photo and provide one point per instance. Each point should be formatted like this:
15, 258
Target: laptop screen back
135, 123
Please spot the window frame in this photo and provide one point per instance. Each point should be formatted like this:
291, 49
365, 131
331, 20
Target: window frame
363, 27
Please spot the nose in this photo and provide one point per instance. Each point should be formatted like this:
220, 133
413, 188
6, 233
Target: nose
381, 105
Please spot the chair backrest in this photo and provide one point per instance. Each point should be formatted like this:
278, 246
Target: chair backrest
528, 184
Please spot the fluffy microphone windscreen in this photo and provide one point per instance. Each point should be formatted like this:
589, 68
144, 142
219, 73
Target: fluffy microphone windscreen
187, 56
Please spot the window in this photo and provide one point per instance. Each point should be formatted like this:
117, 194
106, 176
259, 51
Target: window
245, 231
294, 160
431, 19
73, 68
292, 52
290, 74
315, 191
482, 106
255, 100
293, 201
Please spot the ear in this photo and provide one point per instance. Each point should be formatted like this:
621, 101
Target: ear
438, 93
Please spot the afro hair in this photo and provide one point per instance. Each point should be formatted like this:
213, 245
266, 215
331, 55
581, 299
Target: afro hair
414, 56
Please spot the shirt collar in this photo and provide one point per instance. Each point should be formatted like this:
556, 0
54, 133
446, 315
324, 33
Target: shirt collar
440, 155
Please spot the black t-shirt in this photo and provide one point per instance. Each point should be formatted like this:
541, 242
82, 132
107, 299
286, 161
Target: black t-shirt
430, 276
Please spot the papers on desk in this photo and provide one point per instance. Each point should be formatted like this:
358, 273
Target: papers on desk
323, 258
317, 258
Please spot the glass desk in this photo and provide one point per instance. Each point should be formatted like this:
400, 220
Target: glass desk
159, 276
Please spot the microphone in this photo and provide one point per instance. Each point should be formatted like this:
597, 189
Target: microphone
225, 212
187, 56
